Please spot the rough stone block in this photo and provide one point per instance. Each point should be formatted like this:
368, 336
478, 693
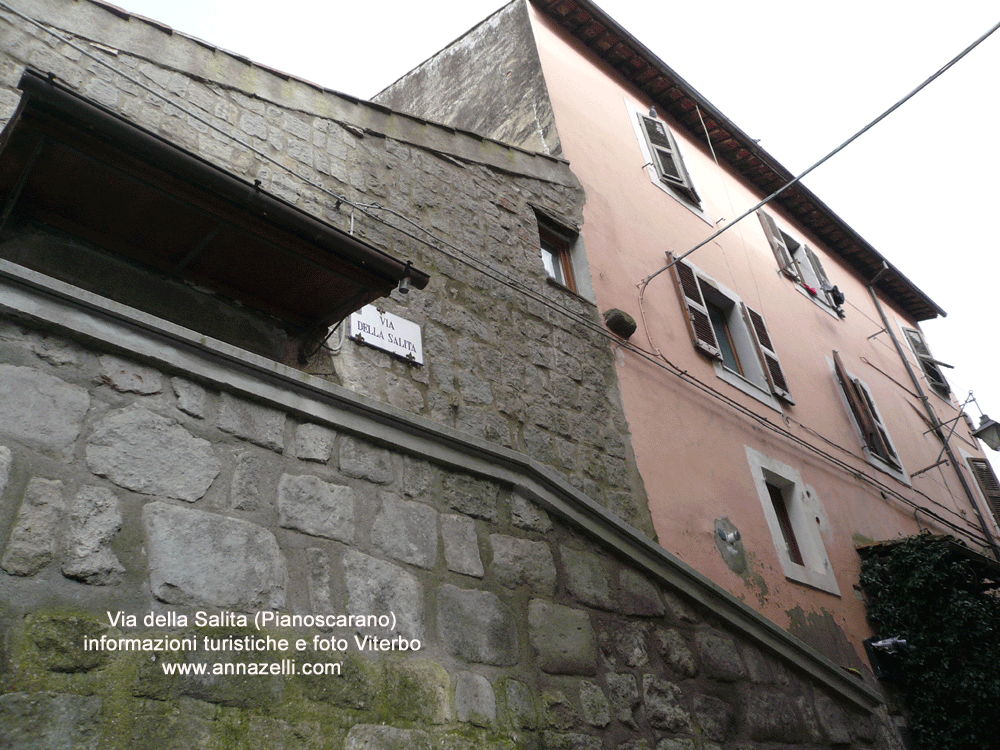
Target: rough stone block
375, 587
461, 545
520, 706
58, 640
407, 531
318, 582
374, 737
248, 481
526, 515
418, 690
713, 717
49, 721
679, 609
152, 454
558, 710
41, 411
314, 443
563, 638
308, 504
191, 397
259, 424
6, 461
594, 704
418, 477
475, 702
675, 652
770, 716
129, 377
630, 643
476, 626
624, 692
473, 497
522, 563
720, 659
94, 519
663, 705
32, 543
587, 577
833, 720
570, 741
363, 460
198, 558
638, 596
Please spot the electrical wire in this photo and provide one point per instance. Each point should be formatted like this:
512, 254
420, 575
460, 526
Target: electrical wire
518, 286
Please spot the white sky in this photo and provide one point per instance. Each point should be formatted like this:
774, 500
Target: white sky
802, 77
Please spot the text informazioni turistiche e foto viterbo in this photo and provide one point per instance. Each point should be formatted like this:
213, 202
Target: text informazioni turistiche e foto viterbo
246, 635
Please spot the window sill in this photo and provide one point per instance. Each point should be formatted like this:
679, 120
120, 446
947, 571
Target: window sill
825, 582
748, 387
816, 300
563, 288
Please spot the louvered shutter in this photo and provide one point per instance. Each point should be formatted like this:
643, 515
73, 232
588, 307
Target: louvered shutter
824, 282
666, 157
693, 305
927, 362
872, 432
988, 483
778, 246
772, 367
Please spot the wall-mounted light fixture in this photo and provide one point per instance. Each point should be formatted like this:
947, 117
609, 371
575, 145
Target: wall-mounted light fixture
988, 432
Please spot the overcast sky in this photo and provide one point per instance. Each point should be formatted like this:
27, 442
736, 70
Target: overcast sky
802, 77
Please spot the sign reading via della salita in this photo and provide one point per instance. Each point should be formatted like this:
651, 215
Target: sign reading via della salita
386, 331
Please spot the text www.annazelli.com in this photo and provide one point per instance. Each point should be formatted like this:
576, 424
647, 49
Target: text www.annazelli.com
281, 667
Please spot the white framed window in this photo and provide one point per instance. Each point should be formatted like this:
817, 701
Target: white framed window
878, 446
931, 367
722, 327
796, 519
800, 263
664, 160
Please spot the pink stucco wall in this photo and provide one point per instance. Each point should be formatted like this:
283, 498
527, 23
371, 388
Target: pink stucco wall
690, 444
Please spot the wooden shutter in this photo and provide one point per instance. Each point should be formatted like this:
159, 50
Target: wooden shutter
988, 483
824, 281
873, 433
693, 304
772, 367
778, 246
927, 362
666, 157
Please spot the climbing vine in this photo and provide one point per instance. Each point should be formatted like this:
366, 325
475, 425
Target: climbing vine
949, 674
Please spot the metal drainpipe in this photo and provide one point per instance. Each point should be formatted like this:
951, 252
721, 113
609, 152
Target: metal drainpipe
934, 419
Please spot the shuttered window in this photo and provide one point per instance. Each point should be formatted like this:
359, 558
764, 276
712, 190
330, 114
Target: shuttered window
873, 431
988, 483
667, 158
930, 366
798, 261
729, 331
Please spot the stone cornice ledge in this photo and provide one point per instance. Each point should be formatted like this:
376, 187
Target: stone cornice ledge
27, 294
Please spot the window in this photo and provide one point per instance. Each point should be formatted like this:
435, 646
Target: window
796, 520
556, 244
866, 417
666, 157
988, 483
930, 366
799, 263
725, 329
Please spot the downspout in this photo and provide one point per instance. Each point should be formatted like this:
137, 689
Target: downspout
984, 527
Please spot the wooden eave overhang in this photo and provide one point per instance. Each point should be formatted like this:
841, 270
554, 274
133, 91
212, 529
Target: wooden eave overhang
672, 94
85, 170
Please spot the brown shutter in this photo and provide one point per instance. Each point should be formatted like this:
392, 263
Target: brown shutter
872, 432
927, 362
988, 483
778, 246
666, 157
693, 305
772, 367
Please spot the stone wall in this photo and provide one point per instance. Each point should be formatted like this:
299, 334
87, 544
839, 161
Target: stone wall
131, 489
507, 357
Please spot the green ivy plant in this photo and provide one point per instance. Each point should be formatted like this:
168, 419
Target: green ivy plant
949, 675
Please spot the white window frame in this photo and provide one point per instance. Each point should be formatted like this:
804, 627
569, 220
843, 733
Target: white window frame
755, 381
696, 205
799, 262
806, 515
873, 458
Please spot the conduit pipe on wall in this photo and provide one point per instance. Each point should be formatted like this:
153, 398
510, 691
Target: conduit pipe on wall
934, 419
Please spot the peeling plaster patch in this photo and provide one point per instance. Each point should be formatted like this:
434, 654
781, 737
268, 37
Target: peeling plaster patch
820, 630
